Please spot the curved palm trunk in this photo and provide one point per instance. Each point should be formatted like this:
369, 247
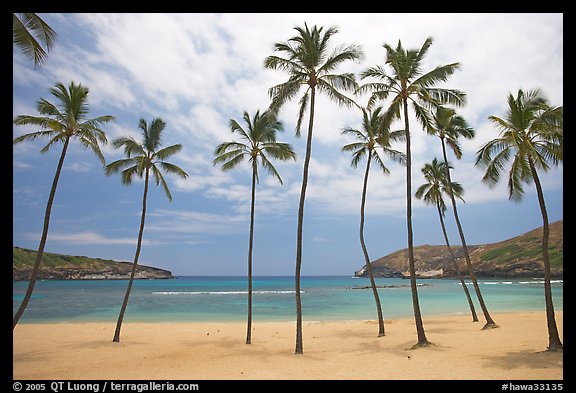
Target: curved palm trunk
365, 251
460, 277
299, 344
250, 247
490, 324
40, 252
422, 340
134, 265
554, 342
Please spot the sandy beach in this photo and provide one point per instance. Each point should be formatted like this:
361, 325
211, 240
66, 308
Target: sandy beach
333, 350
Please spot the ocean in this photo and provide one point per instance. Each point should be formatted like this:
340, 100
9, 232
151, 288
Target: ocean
225, 298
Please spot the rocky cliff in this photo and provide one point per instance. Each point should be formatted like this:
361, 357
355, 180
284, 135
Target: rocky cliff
67, 267
520, 256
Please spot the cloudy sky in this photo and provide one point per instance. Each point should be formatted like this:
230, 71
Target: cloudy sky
197, 71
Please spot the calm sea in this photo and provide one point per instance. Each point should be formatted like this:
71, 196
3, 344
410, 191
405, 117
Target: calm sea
224, 298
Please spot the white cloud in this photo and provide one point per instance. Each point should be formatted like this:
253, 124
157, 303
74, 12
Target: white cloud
88, 237
78, 167
21, 165
199, 70
187, 221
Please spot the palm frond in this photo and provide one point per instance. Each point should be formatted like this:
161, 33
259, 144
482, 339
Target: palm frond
421, 190
129, 173
357, 134
357, 157
229, 160
438, 96
282, 93
287, 65
395, 155
516, 176
346, 81
118, 165
270, 168
130, 145
334, 94
35, 135
89, 140
160, 180
455, 147
438, 74
173, 169
353, 146
341, 55
380, 162
30, 33
168, 151
494, 166
236, 127
302, 106
422, 115
279, 151
55, 139
154, 134
45, 107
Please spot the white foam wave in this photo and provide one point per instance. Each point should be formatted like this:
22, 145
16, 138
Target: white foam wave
541, 282
222, 292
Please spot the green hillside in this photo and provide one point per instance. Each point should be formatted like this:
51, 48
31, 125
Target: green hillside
520, 256
69, 267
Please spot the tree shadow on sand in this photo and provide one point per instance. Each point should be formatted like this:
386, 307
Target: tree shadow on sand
530, 359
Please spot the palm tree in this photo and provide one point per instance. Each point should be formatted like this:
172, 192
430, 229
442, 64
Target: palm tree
31, 34
62, 122
374, 134
259, 141
309, 64
431, 194
531, 139
143, 158
408, 83
449, 127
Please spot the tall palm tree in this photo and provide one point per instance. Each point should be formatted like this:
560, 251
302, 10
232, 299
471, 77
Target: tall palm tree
62, 122
309, 64
408, 83
374, 134
449, 127
31, 34
431, 193
531, 139
258, 142
143, 158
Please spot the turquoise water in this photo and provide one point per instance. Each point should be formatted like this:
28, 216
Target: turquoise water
224, 298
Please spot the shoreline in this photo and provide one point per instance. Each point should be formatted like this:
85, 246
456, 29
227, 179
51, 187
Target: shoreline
332, 350
256, 319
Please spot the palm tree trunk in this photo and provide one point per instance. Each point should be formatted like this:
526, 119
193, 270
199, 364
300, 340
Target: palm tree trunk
422, 340
365, 251
250, 247
554, 342
135, 264
299, 344
40, 252
490, 324
460, 277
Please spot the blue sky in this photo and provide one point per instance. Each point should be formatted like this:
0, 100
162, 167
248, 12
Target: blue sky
197, 71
